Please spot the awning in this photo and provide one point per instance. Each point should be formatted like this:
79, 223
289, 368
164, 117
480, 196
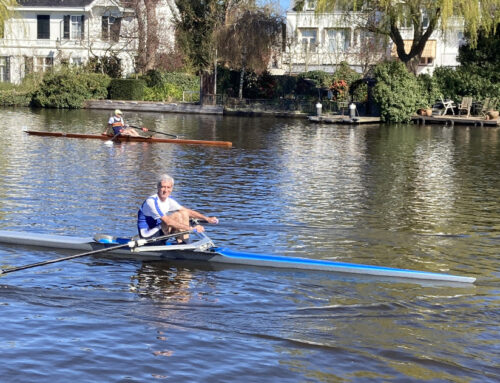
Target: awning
429, 49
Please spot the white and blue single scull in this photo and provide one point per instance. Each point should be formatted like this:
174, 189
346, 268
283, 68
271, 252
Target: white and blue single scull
203, 249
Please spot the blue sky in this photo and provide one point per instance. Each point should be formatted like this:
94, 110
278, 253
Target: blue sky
284, 4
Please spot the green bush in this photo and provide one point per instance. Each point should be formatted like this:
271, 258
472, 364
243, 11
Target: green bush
319, 78
126, 89
350, 76
460, 82
163, 92
430, 90
69, 88
14, 97
168, 86
20, 95
285, 86
396, 91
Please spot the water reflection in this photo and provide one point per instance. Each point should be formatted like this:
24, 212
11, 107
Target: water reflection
403, 196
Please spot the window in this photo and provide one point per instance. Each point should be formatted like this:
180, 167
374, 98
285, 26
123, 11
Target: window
73, 27
76, 61
43, 26
426, 61
43, 64
308, 39
4, 69
310, 5
111, 28
339, 40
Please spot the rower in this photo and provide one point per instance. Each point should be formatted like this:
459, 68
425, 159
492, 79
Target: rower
117, 124
160, 214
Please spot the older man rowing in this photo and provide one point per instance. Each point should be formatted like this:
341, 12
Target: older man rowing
160, 214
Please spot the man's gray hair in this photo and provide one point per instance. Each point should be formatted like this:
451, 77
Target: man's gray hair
164, 177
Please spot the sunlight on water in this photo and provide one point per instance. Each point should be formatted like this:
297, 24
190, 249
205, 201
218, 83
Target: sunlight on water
414, 197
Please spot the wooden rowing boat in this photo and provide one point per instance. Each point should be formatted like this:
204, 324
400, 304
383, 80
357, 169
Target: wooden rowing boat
105, 137
203, 249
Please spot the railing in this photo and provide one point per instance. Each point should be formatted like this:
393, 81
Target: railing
190, 96
274, 105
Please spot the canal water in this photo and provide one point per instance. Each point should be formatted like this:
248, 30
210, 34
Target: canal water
424, 198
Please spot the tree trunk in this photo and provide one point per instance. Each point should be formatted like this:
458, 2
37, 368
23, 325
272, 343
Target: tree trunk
242, 77
152, 40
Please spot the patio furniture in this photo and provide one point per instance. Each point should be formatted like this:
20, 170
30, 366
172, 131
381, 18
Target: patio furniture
465, 105
447, 105
485, 107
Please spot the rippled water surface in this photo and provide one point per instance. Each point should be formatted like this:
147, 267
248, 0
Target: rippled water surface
424, 198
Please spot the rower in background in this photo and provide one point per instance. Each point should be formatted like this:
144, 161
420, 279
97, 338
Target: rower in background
160, 214
117, 124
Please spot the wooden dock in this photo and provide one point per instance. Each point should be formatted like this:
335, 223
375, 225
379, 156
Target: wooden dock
455, 120
341, 119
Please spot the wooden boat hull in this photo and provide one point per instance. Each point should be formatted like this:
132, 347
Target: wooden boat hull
203, 250
105, 137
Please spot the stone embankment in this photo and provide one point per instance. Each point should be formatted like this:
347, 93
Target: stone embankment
182, 107
152, 106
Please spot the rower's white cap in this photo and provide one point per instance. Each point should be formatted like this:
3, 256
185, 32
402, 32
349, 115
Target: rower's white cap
118, 111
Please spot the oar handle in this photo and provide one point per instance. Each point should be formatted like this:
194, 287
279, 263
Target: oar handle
131, 244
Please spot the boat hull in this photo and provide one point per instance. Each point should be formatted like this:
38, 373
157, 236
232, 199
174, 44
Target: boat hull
105, 137
203, 250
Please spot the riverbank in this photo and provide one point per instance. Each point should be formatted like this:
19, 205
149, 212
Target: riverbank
182, 107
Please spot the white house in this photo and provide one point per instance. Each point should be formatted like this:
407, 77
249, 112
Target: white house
321, 41
44, 33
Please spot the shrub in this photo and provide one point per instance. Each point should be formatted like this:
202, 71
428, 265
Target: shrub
69, 88
20, 95
460, 82
168, 86
14, 97
396, 91
319, 78
285, 85
126, 89
163, 92
429, 89
345, 74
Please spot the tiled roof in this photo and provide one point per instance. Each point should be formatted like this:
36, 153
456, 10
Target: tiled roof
54, 3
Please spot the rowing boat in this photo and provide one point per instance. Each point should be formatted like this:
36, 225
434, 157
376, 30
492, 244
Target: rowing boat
203, 249
106, 137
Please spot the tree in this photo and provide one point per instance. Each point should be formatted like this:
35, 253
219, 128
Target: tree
387, 17
196, 22
247, 39
484, 59
152, 30
6, 7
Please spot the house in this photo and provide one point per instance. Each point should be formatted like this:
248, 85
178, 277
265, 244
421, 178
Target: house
322, 41
45, 33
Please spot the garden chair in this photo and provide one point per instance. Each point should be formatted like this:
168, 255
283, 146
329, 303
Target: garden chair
465, 105
447, 105
485, 107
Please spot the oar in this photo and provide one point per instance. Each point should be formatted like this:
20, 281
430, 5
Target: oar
153, 131
131, 244
109, 142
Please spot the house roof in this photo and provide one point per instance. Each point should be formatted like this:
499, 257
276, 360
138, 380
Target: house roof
54, 3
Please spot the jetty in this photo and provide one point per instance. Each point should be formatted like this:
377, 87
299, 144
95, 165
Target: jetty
341, 119
455, 120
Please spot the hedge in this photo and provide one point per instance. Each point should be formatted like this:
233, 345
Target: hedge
126, 89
